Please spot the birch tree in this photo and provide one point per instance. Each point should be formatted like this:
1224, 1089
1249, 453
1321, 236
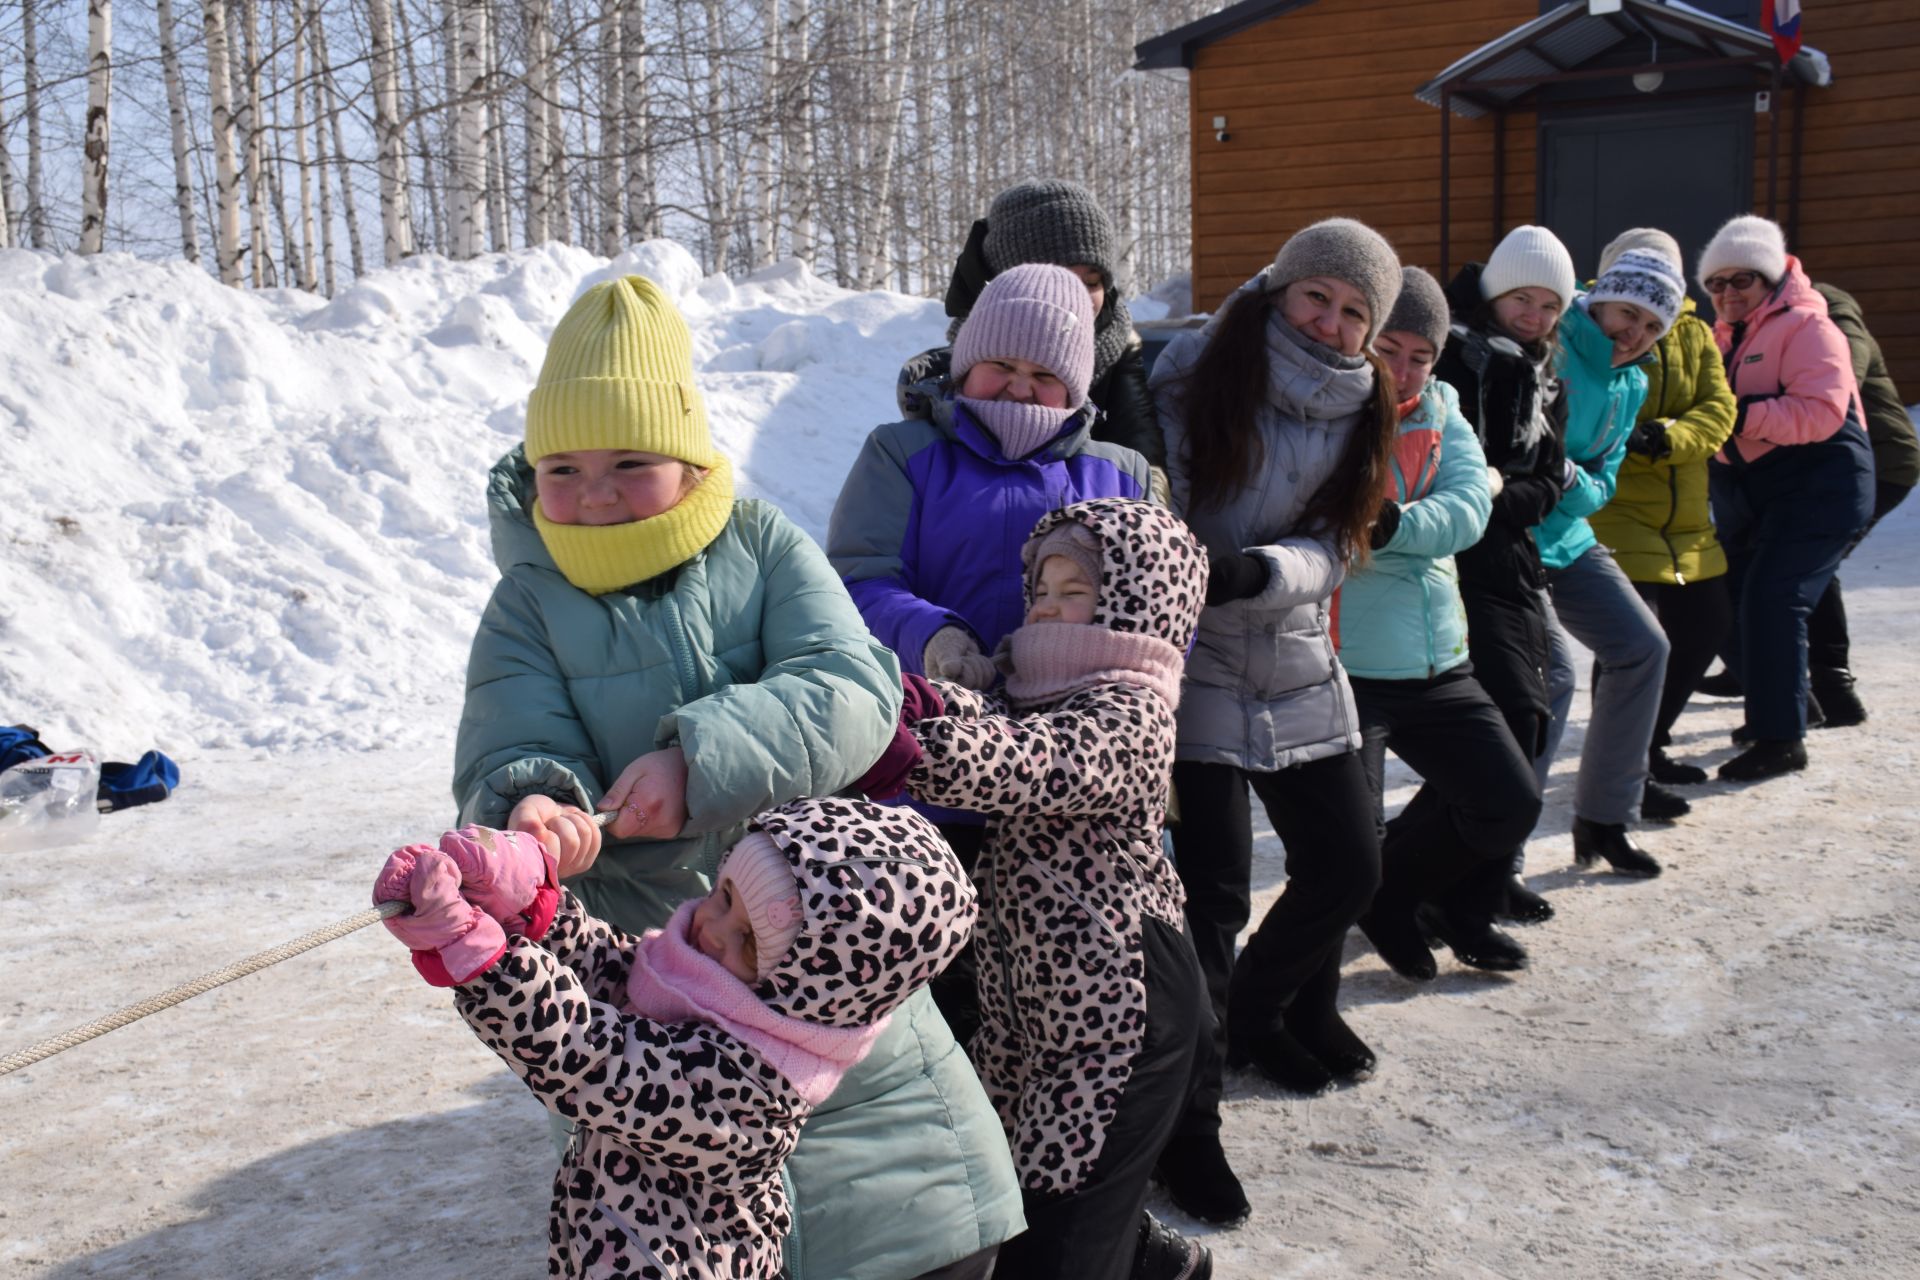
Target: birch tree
467, 207
93, 187
213, 15
35, 214
177, 125
391, 161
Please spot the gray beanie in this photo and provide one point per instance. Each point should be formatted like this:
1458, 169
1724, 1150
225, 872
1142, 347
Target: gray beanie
1345, 250
1049, 220
1421, 308
1640, 238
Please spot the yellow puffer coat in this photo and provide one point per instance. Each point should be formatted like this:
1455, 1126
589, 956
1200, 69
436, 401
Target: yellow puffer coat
1657, 523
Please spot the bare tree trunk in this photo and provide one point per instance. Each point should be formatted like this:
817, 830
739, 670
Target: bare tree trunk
880, 177
329, 276
539, 41
562, 187
8, 204
763, 232
435, 223
309, 278
323, 88
613, 112
388, 137
220, 91
643, 214
177, 118
499, 225
274, 164
36, 211
468, 32
93, 187
797, 153
261, 245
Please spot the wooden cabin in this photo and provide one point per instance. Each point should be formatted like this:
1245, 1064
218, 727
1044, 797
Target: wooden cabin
1463, 118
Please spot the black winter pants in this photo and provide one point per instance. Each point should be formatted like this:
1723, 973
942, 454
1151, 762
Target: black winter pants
953, 988
1698, 618
1324, 815
1478, 798
1092, 1232
1828, 647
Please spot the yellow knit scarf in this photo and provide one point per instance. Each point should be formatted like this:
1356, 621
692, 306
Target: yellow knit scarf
602, 558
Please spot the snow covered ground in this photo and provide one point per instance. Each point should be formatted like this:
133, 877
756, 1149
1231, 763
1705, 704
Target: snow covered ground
245, 528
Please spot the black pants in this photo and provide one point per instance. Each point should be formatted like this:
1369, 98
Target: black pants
1478, 797
1093, 1232
1828, 646
1323, 814
1697, 617
953, 987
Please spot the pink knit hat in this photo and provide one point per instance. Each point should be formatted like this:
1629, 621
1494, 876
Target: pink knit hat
1032, 312
764, 882
1069, 538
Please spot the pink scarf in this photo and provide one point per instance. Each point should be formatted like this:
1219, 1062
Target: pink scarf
672, 981
1017, 428
1045, 661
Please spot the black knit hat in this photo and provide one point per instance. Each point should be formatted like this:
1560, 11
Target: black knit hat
1049, 220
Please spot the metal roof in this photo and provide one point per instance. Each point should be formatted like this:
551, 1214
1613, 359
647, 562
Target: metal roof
1562, 39
1177, 47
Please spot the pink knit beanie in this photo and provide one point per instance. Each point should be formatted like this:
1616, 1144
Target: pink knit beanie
763, 880
1070, 539
1032, 312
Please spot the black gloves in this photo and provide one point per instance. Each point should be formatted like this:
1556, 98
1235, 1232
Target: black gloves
1384, 525
1235, 577
1649, 440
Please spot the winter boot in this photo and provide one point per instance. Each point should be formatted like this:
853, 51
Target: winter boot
1523, 905
1275, 1054
1838, 697
1326, 1035
1721, 684
1664, 769
1593, 841
1743, 735
1474, 941
1200, 1182
1766, 758
1657, 804
1390, 927
1165, 1254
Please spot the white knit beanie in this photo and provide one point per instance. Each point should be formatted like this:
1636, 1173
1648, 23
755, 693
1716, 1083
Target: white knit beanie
1529, 258
763, 879
1648, 280
1748, 242
1641, 238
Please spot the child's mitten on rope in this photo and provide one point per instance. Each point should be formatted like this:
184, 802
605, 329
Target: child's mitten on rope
452, 940
507, 874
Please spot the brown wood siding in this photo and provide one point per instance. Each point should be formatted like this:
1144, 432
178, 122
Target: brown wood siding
1320, 108
1859, 215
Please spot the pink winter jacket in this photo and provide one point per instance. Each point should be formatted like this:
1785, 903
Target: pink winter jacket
1791, 353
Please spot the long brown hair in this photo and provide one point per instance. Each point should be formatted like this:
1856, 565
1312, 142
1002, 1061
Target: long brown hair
1221, 396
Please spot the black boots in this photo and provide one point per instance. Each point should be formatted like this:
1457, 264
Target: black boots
1667, 771
1474, 941
1326, 1035
1838, 698
1200, 1182
1278, 1056
1165, 1254
1721, 684
1523, 905
1657, 804
1593, 841
1390, 927
1767, 758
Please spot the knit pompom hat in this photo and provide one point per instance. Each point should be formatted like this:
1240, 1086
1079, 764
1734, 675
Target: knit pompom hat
1032, 312
1071, 539
619, 375
1421, 308
1345, 250
1648, 280
1748, 242
1641, 238
1529, 258
1049, 220
763, 881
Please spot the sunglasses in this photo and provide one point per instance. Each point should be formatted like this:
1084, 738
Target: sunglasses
1736, 280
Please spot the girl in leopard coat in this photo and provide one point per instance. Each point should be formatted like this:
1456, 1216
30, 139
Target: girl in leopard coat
1089, 991
687, 1058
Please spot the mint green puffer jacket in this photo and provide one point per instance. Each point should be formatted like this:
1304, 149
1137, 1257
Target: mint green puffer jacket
753, 658
1401, 617
1603, 404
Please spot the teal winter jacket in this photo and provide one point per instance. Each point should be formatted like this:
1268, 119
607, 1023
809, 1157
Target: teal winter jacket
1602, 403
752, 657
1400, 617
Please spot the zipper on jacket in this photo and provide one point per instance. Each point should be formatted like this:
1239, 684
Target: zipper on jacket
684, 669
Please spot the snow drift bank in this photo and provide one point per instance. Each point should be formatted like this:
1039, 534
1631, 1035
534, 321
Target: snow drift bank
238, 519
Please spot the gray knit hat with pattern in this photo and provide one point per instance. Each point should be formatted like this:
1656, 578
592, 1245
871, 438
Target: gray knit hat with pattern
1346, 250
1049, 220
1421, 308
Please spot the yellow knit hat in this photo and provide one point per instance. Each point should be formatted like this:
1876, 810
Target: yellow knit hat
619, 375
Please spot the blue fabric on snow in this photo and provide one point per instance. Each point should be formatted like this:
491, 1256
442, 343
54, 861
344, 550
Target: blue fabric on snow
20, 743
150, 778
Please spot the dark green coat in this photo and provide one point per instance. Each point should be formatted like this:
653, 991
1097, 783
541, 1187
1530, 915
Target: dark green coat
1896, 451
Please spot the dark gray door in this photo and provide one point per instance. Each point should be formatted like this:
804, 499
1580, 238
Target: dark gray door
1685, 170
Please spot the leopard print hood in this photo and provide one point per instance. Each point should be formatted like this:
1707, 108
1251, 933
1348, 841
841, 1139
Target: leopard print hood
887, 906
1153, 577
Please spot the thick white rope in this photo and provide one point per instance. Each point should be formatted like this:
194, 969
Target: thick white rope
188, 990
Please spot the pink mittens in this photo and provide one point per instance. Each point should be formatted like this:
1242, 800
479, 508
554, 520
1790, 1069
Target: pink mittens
452, 940
507, 874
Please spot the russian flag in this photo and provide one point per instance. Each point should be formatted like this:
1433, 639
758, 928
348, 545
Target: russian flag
1781, 19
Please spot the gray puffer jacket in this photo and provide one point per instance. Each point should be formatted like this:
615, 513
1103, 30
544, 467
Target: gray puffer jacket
1263, 688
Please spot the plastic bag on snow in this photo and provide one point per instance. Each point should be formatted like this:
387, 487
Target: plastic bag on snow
50, 801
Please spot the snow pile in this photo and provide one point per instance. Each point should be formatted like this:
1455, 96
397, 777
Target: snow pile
253, 519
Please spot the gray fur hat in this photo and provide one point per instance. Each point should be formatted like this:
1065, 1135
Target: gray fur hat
1049, 220
1345, 250
1421, 308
